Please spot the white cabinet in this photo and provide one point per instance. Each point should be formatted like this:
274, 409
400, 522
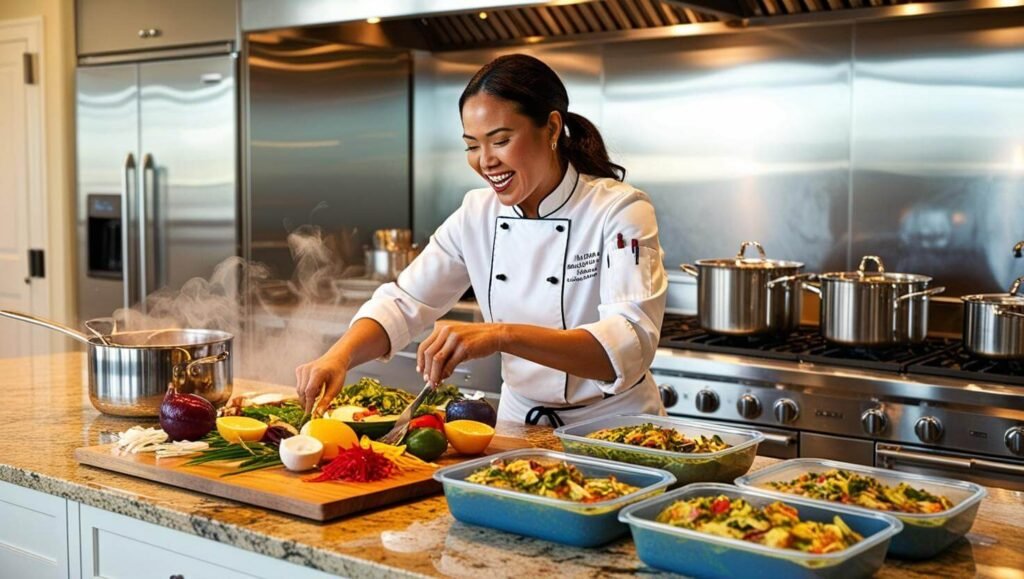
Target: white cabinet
44, 537
33, 534
115, 546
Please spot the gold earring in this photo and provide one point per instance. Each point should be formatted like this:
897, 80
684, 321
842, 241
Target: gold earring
554, 145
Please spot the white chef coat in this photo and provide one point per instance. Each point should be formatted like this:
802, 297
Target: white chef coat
562, 270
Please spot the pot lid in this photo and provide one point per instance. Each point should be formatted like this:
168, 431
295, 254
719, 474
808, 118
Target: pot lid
995, 299
741, 261
1010, 298
875, 277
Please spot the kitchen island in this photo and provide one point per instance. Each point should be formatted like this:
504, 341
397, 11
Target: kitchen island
46, 414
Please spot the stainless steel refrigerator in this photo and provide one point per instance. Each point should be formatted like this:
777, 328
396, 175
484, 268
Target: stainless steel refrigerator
157, 186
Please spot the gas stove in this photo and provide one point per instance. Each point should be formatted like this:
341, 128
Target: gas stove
927, 407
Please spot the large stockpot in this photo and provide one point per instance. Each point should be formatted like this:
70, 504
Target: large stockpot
994, 324
742, 296
130, 373
868, 309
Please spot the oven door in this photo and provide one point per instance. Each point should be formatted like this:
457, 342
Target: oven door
985, 471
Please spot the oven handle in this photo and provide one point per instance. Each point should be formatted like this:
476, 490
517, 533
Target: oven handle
783, 439
975, 464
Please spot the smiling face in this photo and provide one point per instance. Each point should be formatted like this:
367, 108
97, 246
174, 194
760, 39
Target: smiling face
510, 151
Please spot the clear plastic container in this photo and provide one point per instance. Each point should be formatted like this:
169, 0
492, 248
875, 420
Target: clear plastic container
924, 535
696, 554
722, 466
560, 521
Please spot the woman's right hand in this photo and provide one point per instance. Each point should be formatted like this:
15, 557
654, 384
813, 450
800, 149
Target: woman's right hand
326, 374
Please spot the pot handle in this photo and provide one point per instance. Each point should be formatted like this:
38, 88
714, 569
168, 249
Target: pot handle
1008, 313
798, 277
690, 269
864, 264
746, 244
807, 286
47, 324
928, 292
191, 367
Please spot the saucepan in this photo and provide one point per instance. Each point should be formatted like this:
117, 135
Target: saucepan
994, 324
869, 309
745, 296
129, 372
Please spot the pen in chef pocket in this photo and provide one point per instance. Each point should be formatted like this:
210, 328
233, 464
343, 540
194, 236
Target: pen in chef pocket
620, 241
635, 246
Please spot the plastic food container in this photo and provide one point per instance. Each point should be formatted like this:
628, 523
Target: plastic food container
722, 466
924, 535
697, 554
560, 521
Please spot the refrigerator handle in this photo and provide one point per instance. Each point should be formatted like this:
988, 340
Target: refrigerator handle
128, 200
147, 258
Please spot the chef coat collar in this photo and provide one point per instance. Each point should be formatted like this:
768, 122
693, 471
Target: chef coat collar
558, 197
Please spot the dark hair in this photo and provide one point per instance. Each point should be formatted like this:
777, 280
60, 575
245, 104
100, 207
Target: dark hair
536, 90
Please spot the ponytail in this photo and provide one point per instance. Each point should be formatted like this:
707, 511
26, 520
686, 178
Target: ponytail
537, 91
585, 149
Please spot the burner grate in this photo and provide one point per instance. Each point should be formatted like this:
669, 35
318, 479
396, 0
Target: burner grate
957, 363
935, 356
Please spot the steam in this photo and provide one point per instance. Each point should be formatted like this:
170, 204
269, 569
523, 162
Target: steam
277, 324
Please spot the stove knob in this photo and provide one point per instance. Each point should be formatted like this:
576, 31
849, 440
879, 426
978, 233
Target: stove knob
707, 401
874, 421
669, 396
748, 406
928, 429
785, 410
1015, 440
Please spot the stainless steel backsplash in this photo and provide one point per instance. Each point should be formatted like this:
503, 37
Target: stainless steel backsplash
903, 139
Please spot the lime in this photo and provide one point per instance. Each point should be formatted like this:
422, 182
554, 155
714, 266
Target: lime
426, 443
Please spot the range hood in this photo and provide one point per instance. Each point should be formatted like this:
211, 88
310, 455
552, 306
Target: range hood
442, 25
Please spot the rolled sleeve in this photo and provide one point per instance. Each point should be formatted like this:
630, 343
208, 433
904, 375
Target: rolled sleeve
425, 290
621, 343
629, 329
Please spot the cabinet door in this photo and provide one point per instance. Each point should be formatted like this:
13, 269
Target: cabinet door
114, 546
33, 533
106, 26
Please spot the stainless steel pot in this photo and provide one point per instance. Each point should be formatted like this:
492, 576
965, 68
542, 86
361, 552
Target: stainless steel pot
994, 324
129, 375
871, 309
742, 296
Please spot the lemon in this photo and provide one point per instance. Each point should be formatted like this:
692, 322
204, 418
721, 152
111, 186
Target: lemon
240, 428
468, 436
334, 434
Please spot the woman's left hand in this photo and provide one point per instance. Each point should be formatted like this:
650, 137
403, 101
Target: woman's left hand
452, 343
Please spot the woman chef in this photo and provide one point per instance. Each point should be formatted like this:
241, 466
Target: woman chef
562, 255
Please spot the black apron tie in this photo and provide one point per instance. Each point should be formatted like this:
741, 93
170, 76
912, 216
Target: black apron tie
537, 412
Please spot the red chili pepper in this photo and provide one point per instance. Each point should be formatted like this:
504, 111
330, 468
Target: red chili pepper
356, 464
720, 506
426, 421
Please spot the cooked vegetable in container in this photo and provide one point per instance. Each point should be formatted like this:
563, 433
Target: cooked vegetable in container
640, 438
538, 493
935, 512
717, 530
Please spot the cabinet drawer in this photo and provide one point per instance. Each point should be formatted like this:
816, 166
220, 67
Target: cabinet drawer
115, 546
106, 26
33, 533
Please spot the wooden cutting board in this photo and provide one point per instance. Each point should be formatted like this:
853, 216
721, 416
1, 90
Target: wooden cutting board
278, 488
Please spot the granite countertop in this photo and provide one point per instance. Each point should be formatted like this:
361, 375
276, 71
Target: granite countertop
46, 414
